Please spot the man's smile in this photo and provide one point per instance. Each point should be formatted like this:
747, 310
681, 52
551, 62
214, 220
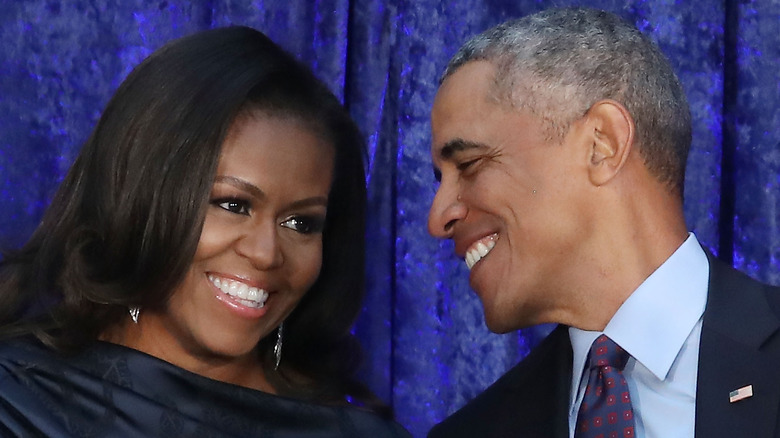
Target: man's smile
480, 249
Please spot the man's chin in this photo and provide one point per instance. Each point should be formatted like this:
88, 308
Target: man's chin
501, 324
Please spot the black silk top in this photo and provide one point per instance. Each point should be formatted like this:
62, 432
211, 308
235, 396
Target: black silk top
113, 391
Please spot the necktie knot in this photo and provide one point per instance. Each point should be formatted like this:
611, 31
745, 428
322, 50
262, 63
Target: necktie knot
606, 409
605, 352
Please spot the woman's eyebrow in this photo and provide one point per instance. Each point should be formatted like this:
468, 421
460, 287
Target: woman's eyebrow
241, 184
259, 194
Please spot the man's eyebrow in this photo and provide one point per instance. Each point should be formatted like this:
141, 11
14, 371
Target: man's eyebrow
458, 145
451, 148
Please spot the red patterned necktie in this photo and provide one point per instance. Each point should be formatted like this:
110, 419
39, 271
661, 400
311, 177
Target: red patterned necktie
606, 410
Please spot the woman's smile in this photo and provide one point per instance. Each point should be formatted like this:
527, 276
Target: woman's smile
239, 292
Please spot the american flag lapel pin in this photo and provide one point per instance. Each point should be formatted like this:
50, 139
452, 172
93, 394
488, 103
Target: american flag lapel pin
741, 393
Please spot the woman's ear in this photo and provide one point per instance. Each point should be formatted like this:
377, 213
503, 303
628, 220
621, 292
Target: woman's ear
613, 139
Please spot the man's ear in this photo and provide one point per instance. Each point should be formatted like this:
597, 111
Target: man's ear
613, 139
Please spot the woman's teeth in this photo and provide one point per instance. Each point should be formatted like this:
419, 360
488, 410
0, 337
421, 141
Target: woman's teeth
480, 249
246, 295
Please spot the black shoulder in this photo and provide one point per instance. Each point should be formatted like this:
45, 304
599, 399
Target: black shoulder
530, 400
730, 288
367, 424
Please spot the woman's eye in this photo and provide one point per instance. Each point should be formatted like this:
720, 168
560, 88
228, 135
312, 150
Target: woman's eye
304, 224
237, 206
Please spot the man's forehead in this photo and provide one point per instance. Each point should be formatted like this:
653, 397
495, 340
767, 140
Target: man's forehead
461, 102
472, 80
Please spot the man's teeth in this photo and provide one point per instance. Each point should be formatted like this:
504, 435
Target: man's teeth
480, 249
248, 296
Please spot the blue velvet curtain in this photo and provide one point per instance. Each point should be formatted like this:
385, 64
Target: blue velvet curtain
427, 348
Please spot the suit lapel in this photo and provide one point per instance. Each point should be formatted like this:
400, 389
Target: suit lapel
563, 391
543, 387
736, 350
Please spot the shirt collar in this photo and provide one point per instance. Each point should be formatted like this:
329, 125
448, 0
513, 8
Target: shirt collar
653, 323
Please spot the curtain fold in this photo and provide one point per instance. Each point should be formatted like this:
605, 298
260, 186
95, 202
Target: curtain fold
427, 350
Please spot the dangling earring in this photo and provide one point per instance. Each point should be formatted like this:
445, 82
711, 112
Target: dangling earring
278, 346
134, 312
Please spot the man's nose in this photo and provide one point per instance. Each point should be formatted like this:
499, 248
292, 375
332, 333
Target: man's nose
446, 210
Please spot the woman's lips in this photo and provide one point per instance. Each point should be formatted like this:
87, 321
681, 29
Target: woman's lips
242, 299
244, 294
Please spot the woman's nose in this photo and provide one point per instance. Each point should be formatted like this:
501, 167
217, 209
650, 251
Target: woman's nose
261, 246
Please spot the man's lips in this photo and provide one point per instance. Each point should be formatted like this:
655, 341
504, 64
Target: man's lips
480, 249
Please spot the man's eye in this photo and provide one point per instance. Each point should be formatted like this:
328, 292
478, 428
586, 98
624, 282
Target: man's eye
467, 164
304, 224
237, 206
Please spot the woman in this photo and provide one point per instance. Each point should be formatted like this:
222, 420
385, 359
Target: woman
199, 269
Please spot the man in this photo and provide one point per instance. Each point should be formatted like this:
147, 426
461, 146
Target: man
560, 141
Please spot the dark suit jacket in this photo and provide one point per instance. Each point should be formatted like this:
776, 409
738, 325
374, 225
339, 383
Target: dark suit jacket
740, 345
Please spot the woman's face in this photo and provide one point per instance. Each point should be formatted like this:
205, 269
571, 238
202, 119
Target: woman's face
260, 249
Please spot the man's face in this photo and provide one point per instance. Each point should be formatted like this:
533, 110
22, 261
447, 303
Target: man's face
511, 199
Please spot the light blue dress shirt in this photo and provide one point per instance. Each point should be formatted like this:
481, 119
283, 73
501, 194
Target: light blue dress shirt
660, 327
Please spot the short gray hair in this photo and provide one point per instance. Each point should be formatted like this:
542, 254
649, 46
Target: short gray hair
559, 62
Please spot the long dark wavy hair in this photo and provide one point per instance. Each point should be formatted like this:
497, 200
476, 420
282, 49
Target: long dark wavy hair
123, 227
